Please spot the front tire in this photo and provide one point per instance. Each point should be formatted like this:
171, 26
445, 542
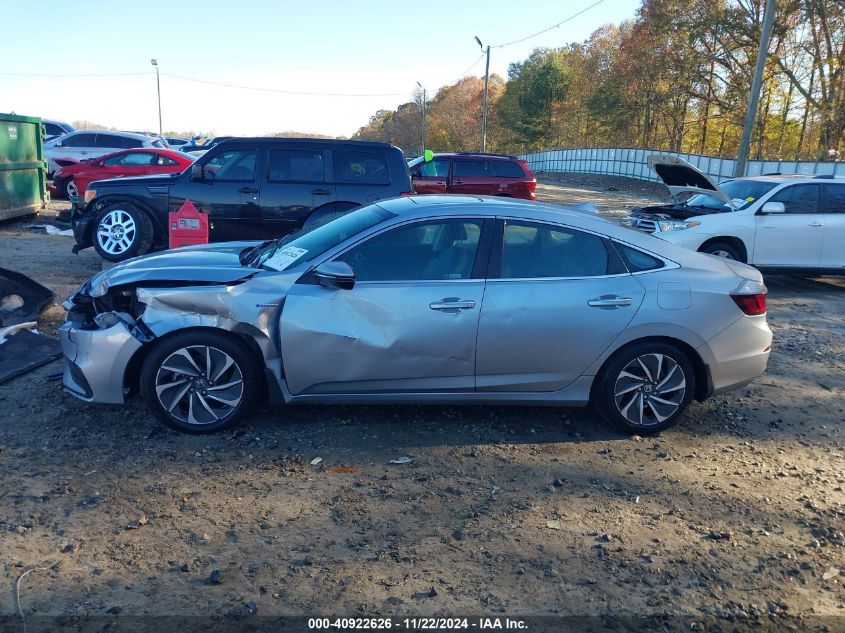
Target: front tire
70, 189
199, 382
645, 388
122, 231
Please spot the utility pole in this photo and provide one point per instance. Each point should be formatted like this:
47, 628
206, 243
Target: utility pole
756, 85
158, 90
422, 151
484, 107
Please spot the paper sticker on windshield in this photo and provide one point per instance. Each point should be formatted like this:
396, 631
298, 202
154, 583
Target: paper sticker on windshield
285, 257
738, 202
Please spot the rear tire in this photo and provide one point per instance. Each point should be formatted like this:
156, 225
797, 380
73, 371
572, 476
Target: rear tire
722, 249
645, 388
122, 231
199, 381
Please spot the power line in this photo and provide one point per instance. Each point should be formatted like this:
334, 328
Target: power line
469, 68
288, 92
553, 26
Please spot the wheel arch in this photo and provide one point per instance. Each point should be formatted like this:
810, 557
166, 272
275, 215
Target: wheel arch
703, 380
132, 372
735, 242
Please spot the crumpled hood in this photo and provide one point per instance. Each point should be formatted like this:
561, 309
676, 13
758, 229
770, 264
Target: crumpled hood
205, 264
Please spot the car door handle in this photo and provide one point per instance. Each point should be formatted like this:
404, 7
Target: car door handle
452, 304
320, 192
247, 190
457, 182
816, 223
609, 302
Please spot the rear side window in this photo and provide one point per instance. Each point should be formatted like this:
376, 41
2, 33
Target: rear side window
296, 165
506, 169
52, 129
532, 250
159, 144
636, 260
471, 169
164, 161
78, 140
133, 159
835, 199
119, 142
360, 168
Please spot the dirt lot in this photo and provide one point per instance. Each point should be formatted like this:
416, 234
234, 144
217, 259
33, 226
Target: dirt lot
734, 518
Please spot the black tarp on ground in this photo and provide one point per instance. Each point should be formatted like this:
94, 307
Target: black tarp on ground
23, 351
15, 287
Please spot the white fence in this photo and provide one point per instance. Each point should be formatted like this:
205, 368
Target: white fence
615, 161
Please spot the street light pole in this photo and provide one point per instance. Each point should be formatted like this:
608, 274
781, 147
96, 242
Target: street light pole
423, 118
756, 84
484, 107
158, 90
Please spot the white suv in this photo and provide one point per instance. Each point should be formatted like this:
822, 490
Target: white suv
785, 223
85, 144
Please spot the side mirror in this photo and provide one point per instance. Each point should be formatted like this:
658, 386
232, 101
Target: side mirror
773, 207
335, 274
199, 174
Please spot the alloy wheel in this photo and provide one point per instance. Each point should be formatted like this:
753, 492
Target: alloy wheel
116, 232
722, 253
650, 389
199, 384
72, 189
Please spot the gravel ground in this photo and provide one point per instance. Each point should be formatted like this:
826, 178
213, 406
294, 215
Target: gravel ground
734, 518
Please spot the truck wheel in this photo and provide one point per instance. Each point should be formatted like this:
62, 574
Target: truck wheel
121, 231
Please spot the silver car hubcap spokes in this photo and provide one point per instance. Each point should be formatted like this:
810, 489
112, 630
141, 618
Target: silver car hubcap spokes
724, 254
116, 232
71, 189
199, 384
650, 389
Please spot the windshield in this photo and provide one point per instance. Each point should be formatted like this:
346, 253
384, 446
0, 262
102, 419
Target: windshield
306, 244
742, 192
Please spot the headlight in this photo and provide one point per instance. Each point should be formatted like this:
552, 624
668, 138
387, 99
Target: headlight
90, 194
672, 225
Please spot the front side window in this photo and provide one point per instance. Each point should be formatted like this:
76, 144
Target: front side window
360, 168
52, 129
134, 159
436, 168
532, 250
799, 198
296, 165
433, 250
235, 165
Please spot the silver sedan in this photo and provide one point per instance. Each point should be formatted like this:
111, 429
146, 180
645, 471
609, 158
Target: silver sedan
429, 299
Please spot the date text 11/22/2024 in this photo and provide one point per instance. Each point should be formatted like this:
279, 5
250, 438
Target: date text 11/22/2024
417, 624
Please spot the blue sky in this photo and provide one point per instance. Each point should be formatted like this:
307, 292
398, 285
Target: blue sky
368, 46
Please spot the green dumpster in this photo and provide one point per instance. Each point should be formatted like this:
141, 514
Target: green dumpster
23, 171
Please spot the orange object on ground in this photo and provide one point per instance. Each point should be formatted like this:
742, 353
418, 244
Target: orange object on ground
188, 226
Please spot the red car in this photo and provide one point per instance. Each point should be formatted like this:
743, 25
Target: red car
73, 179
479, 174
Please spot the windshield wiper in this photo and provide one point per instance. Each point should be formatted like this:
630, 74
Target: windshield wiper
246, 256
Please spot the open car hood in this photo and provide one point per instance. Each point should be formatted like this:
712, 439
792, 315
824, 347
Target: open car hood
681, 177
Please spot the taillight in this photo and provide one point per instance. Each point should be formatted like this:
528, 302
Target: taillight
750, 296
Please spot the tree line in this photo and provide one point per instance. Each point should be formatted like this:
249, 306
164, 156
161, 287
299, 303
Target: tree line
676, 77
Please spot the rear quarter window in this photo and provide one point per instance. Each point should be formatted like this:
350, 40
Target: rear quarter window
354, 167
506, 169
636, 260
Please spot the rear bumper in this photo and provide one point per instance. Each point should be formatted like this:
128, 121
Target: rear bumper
96, 361
738, 354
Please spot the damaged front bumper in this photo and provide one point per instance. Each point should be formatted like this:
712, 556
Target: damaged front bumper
96, 361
